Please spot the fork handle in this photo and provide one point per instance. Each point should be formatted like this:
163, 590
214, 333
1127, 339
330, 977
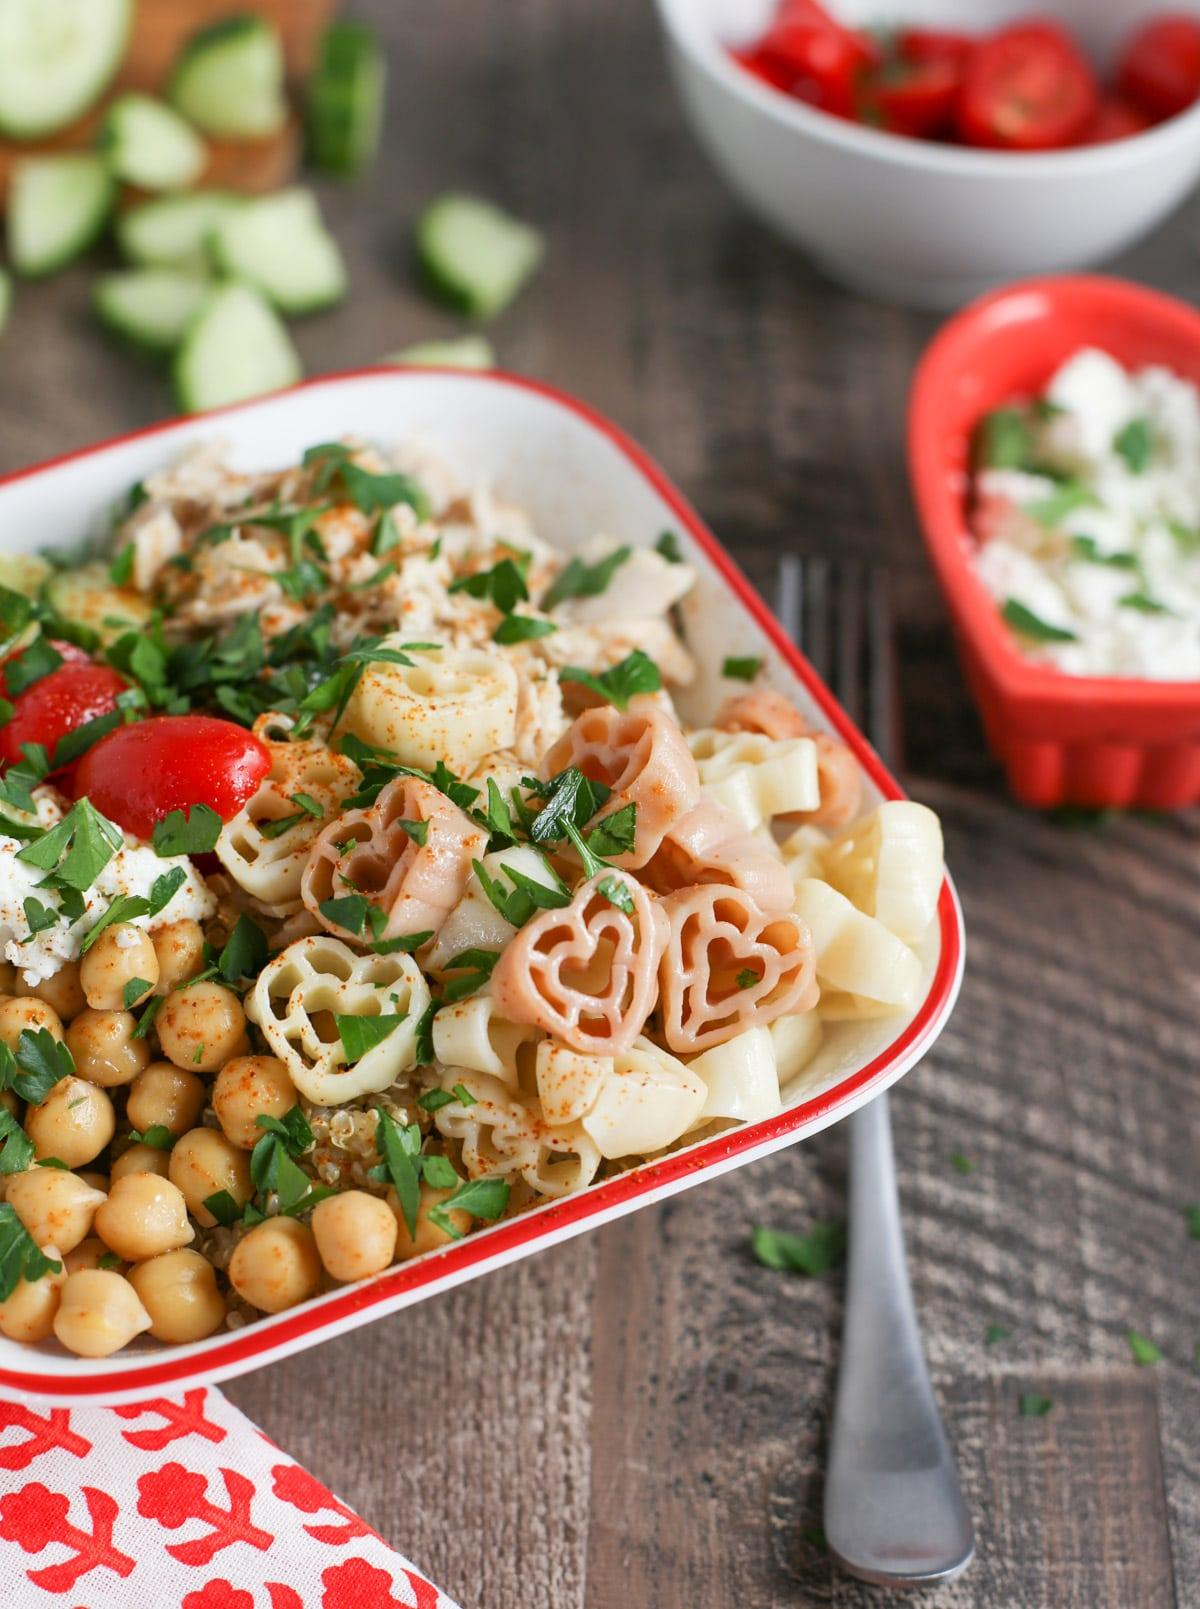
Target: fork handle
894, 1511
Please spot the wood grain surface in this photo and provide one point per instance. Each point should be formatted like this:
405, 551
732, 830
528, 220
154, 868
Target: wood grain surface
638, 1419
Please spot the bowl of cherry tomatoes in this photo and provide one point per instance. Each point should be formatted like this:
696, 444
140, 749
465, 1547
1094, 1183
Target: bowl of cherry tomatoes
924, 151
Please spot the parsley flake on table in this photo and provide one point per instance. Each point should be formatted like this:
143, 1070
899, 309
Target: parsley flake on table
1191, 1215
960, 1163
1034, 1406
823, 1248
1142, 1350
994, 1334
527, 894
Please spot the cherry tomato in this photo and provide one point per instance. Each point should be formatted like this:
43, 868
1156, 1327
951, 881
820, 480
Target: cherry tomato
917, 100
814, 58
70, 695
1160, 68
1115, 119
138, 774
1027, 88
934, 44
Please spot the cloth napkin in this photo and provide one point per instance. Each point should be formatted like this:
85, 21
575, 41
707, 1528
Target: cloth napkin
180, 1502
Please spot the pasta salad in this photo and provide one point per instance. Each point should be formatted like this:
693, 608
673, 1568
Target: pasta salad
360, 886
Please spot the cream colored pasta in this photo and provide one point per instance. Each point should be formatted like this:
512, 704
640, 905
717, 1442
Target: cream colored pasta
855, 954
451, 704
301, 993
757, 777
741, 1077
648, 1100
890, 866
797, 1040
471, 1033
475, 923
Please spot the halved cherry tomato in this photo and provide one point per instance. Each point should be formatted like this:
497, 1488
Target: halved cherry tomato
140, 773
1114, 120
1027, 88
934, 44
814, 58
1160, 67
917, 99
73, 693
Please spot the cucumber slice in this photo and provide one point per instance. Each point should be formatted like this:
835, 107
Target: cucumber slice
237, 347
279, 243
474, 255
150, 145
23, 572
57, 206
5, 297
345, 100
56, 56
152, 307
468, 352
88, 597
229, 80
173, 231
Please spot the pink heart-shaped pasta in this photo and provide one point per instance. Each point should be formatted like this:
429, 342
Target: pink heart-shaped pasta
838, 775
729, 966
641, 756
585, 973
370, 852
709, 845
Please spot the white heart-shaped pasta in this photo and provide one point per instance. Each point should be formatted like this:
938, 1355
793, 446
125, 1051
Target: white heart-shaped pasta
797, 1040
648, 1100
472, 1034
740, 1077
568, 1081
839, 777
757, 777
301, 992
504, 1133
802, 851
890, 866
267, 867
450, 704
855, 954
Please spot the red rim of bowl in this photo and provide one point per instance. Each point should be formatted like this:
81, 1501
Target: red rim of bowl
276, 1335
940, 488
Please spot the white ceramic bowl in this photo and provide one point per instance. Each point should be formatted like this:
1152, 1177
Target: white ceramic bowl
910, 221
577, 475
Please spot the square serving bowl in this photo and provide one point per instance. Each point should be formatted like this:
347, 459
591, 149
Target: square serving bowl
1063, 740
577, 475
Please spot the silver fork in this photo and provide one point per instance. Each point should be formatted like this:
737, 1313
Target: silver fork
894, 1511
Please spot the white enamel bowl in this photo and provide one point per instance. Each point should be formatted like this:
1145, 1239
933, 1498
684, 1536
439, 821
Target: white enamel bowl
910, 221
577, 475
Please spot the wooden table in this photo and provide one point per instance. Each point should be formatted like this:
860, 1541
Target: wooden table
638, 1418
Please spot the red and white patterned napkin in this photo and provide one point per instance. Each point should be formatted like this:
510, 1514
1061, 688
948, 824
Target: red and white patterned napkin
180, 1503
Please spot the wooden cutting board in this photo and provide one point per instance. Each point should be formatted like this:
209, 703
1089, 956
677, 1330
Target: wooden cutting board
161, 30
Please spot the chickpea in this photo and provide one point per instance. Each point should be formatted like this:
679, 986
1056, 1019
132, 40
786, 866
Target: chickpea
141, 1159
120, 955
62, 990
165, 1096
104, 1048
92, 1253
28, 1314
355, 1234
179, 1291
179, 949
246, 1087
17, 1016
429, 1235
204, 1162
276, 1265
55, 1206
200, 1027
74, 1123
98, 1313
143, 1216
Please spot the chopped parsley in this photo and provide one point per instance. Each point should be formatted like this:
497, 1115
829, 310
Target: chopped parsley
38, 1063
521, 628
158, 1137
615, 834
354, 912
120, 571
616, 891
578, 579
1002, 440
1084, 547
369, 492
482, 1198
742, 670
667, 547
571, 799
78, 849
418, 831
135, 990
1029, 625
403, 944
1135, 444
636, 673
1064, 500
245, 952
434, 1099
503, 585
1143, 603
22, 670
16, 1148
39, 916
361, 1034
527, 894
1191, 1216
403, 1166
194, 832
126, 906
476, 967
19, 1255
746, 978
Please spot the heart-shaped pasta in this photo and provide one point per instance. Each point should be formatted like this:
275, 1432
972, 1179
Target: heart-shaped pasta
642, 757
709, 845
585, 973
890, 866
756, 778
729, 966
503, 1133
301, 994
409, 853
450, 704
267, 864
472, 1034
838, 775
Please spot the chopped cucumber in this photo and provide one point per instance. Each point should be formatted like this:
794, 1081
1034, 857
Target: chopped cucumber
229, 80
23, 572
237, 347
467, 352
57, 206
474, 255
150, 145
5, 297
88, 597
345, 100
279, 244
56, 56
152, 307
173, 231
